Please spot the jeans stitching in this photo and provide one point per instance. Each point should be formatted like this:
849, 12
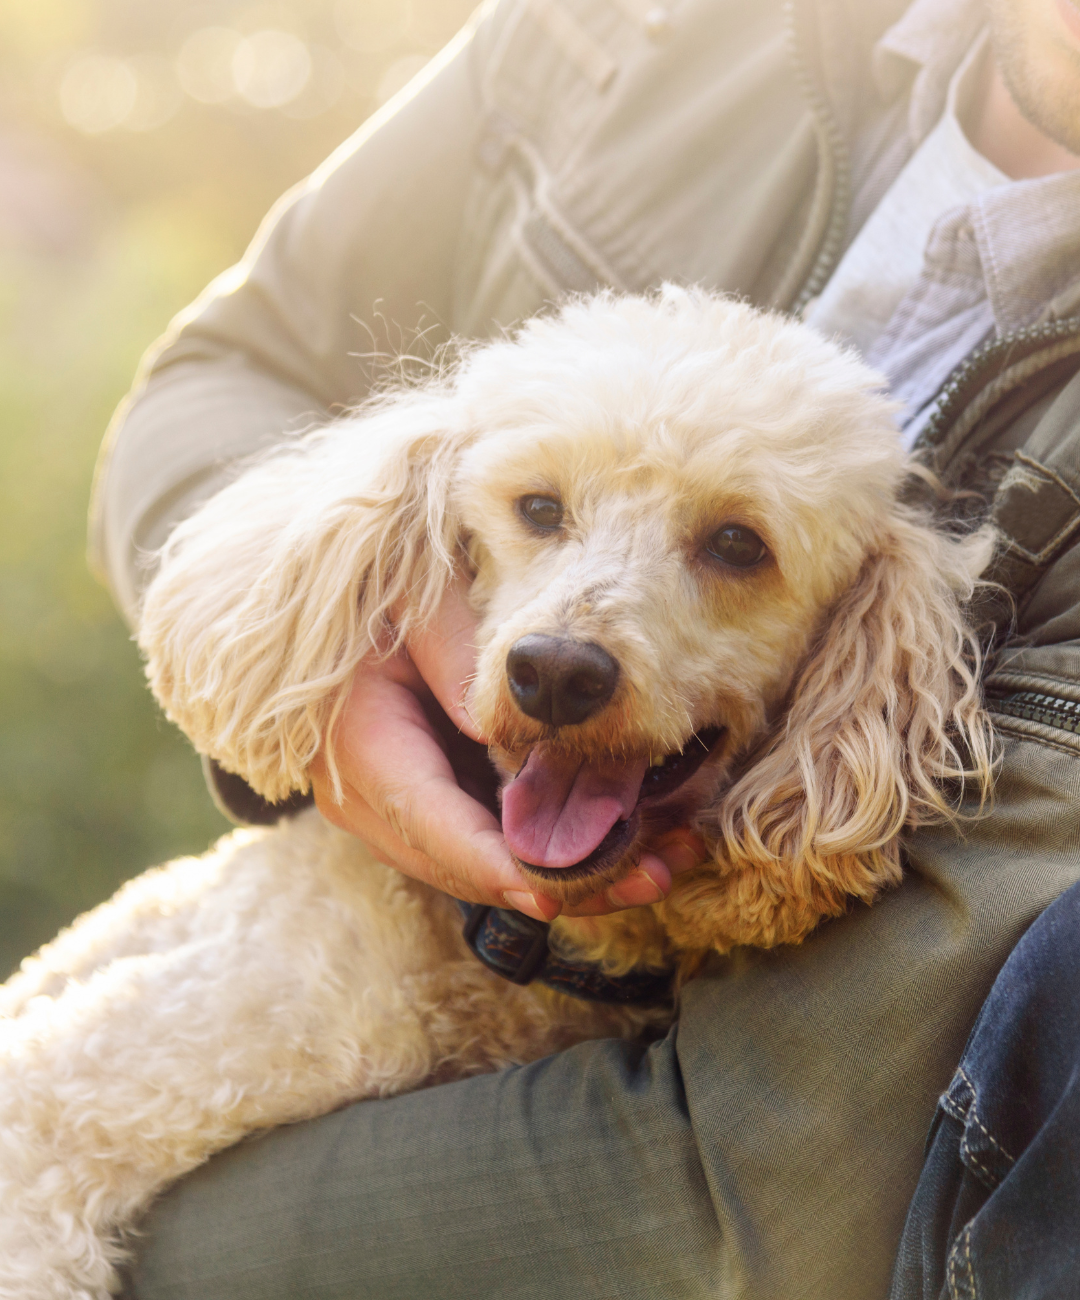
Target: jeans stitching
956, 1100
979, 1165
974, 1114
967, 1257
951, 1108
961, 1288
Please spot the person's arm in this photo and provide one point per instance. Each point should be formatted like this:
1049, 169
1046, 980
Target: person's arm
353, 261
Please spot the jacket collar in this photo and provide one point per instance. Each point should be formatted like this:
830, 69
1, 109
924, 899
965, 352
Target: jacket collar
1025, 235
919, 54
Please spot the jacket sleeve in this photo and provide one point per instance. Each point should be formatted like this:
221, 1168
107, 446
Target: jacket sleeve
355, 261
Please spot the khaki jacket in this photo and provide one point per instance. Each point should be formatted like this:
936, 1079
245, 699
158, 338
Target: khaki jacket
769, 1148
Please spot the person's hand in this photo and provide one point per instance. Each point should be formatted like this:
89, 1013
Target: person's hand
402, 799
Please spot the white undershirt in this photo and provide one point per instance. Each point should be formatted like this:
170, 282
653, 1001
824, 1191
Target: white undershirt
886, 257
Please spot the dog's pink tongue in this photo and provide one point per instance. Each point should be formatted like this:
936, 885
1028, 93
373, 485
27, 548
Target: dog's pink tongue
558, 809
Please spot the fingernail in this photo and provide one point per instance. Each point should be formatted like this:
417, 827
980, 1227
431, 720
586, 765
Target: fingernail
636, 890
679, 857
522, 902
681, 852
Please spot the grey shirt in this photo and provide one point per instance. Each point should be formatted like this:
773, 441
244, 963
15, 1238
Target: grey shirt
1006, 258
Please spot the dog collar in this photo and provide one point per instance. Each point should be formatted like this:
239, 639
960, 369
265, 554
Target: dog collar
517, 948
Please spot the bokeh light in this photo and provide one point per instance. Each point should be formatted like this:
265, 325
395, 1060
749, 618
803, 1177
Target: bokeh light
157, 93
141, 143
270, 68
323, 88
205, 64
97, 93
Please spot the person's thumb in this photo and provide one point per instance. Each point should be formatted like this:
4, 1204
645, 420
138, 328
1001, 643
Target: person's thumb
444, 652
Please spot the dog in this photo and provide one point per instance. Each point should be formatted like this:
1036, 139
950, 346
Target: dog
701, 600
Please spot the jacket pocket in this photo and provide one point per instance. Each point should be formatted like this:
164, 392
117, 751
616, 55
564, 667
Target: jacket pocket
553, 63
1035, 694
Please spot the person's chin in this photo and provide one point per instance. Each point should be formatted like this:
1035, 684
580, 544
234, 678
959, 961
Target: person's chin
1069, 16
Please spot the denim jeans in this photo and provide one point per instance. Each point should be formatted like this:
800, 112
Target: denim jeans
996, 1214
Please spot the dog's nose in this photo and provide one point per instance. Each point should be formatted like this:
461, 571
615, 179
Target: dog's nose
559, 681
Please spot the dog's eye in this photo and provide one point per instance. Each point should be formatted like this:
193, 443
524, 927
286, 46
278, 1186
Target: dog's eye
544, 512
736, 546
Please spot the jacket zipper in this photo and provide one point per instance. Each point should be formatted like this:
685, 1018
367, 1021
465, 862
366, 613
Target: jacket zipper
1050, 341
967, 381
835, 147
964, 385
1050, 710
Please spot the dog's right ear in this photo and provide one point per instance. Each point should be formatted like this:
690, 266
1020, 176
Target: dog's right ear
267, 598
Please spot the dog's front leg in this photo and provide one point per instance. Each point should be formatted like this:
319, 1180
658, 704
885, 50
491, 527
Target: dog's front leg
177, 1019
279, 977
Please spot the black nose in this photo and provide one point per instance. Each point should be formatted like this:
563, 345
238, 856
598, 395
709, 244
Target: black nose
558, 681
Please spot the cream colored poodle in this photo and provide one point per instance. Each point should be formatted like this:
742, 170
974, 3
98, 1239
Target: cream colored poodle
700, 601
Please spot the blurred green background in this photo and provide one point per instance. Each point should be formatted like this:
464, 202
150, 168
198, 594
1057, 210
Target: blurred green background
141, 141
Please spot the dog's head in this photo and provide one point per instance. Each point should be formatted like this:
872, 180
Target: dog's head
699, 597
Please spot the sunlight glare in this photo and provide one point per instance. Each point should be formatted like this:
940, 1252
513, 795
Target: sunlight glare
97, 93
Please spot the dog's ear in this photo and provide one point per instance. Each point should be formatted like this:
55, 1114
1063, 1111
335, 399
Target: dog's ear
267, 598
885, 712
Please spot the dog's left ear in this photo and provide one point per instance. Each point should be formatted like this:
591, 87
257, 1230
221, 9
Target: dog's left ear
269, 596
885, 711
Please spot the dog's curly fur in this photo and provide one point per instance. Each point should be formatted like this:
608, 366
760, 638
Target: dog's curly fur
286, 972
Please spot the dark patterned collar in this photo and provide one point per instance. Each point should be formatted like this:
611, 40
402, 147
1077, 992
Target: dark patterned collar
516, 947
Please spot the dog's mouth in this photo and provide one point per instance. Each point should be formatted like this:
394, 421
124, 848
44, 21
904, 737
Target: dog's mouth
565, 817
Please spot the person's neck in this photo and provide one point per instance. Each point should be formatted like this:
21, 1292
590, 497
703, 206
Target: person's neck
1001, 133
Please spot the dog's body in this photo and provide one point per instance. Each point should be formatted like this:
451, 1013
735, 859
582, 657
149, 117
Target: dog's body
699, 601
276, 978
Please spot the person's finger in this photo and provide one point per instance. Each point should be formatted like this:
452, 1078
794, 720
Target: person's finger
358, 818
400, 794
647, 883
475, 881
681, 850
444, 653
673, 853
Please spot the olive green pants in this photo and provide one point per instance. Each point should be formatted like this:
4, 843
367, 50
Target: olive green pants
768, 1147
